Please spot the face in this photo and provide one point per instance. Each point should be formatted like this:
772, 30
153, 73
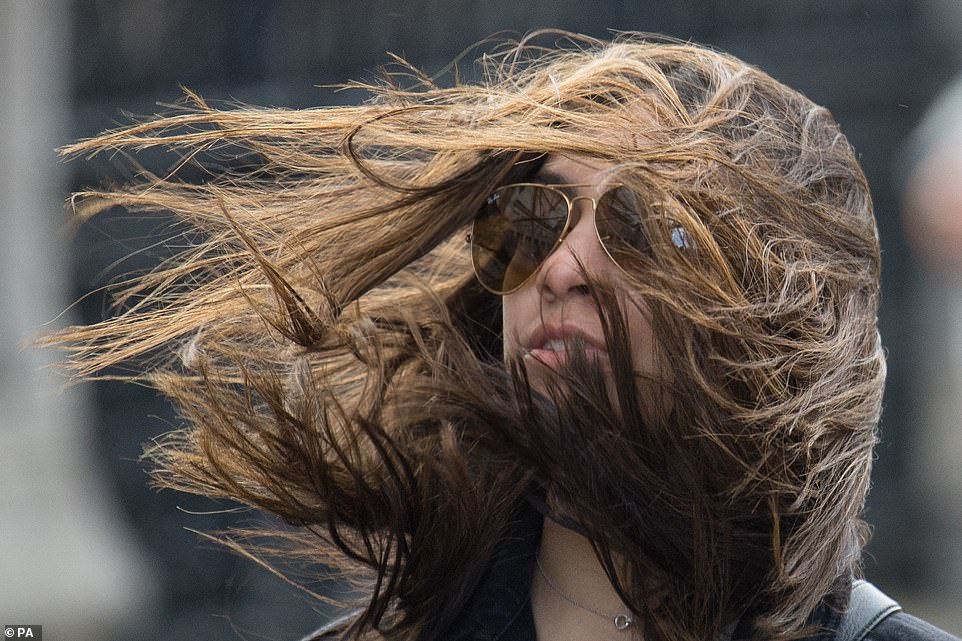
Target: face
555, 304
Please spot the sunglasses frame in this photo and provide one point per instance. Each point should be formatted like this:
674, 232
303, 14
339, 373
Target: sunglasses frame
570, 202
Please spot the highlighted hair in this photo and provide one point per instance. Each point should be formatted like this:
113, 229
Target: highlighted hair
336, 363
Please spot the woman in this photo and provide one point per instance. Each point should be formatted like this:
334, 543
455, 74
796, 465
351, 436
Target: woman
585, 350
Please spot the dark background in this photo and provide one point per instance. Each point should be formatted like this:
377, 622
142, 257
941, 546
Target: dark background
874, 63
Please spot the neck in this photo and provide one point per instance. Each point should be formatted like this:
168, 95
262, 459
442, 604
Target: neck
568, 561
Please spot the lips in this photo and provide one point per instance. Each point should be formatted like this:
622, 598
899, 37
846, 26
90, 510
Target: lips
549, 343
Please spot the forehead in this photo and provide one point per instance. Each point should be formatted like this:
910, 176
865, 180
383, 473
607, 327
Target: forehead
589, 173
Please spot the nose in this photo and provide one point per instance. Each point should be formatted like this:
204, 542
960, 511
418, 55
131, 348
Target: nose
563, 273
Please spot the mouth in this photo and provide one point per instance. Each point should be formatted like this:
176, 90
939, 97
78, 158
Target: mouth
550, 344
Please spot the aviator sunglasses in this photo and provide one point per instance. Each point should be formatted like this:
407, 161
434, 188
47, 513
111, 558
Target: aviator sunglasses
521, 225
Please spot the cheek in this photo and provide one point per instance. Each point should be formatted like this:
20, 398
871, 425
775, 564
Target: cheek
644, 346
511, 308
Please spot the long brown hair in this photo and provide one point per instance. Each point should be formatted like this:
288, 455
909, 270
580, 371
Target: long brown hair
336, 363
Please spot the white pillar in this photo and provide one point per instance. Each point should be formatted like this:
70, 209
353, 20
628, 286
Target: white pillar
65, 561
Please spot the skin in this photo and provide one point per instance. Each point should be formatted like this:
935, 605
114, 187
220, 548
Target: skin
556, 296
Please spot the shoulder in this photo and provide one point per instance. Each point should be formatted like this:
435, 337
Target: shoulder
872, 615
902, 626
865, 613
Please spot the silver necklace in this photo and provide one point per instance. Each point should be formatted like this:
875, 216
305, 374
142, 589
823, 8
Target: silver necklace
620, 621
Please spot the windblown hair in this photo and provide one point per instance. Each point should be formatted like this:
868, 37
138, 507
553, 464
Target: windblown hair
336, 363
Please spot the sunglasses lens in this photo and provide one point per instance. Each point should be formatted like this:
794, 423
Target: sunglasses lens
618, 218
514, 233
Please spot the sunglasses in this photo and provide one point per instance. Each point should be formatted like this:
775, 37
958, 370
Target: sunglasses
521, 225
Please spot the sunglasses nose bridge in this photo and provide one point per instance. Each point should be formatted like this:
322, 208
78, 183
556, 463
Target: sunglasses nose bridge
575, 214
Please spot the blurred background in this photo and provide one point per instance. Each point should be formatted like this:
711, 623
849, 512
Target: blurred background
88, 551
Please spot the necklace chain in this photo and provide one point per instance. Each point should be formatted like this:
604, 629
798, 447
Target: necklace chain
621, 621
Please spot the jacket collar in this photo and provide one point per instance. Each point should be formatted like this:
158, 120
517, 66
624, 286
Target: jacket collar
498, 608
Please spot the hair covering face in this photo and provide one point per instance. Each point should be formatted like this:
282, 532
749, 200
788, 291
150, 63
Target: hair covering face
336, 363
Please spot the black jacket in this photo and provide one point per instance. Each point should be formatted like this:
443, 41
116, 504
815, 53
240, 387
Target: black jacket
498, 607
